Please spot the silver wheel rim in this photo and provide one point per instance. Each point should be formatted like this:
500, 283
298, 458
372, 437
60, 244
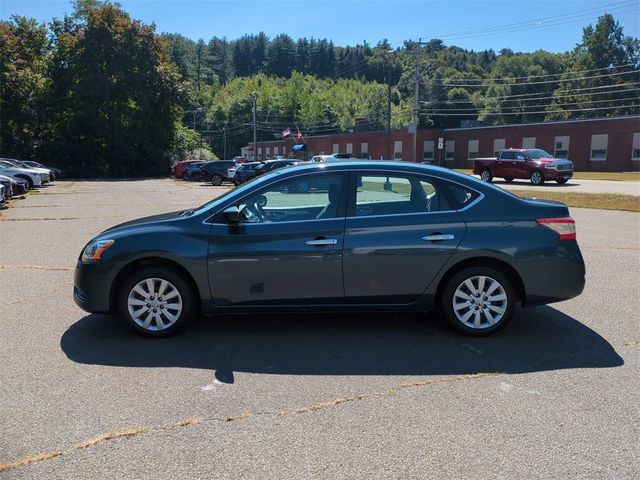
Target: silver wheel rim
216, 180
154, 304
479, 302
535, 177
485, 176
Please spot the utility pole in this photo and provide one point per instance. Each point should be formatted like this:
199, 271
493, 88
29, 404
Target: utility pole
416, 104
224, 129
389, 52
254, 95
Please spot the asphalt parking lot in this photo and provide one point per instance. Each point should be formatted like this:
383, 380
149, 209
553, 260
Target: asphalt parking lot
554, 395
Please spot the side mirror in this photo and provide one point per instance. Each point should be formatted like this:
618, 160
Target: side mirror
232, 215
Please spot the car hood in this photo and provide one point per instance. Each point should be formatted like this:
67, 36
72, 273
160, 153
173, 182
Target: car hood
144, 222
552, 160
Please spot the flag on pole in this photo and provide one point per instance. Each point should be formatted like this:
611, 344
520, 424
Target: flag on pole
299, 134
286, 133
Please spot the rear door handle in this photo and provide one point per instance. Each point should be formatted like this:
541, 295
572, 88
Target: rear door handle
438, 237
321, 242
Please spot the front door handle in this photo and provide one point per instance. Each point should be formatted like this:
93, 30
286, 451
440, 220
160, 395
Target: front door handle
438, 237
321, 242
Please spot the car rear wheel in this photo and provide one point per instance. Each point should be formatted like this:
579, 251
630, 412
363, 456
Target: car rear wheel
485, 175
478, 301
216, 180
562, 181
537, 178
156, 302
508, 179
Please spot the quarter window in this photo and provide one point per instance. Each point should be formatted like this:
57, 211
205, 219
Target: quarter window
393, 195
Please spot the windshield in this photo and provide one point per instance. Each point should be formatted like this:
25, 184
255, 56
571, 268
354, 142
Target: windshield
538, 153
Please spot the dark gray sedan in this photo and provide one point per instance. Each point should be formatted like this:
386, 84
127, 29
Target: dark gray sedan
359, 235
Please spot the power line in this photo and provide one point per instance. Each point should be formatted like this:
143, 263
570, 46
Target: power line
528, 77
528, 112
539, 22
541, 82
542, 106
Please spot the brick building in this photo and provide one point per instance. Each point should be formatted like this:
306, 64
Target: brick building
604, 144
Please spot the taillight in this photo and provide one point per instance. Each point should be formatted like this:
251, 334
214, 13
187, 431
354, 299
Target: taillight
564, 227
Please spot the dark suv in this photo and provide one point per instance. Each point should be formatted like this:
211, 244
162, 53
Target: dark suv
216, 171
270, 165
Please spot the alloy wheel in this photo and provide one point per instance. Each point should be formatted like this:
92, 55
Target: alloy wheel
479, 302
485, 176
536, 178
154, 304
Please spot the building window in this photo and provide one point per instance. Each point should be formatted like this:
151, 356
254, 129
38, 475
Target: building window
635, 152
428, 150
473, 149
364, 150
276, 150
449, 150
397, 150
529, 142
336, 148
349, 148
268, 151
599, 147
561, 149
498, 144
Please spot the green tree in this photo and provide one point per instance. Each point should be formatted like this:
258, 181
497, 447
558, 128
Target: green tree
115, 96
24, 50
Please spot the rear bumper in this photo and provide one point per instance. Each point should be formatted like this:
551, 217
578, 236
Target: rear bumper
559, 277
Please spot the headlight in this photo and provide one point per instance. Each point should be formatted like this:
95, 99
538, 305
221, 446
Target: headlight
93, 252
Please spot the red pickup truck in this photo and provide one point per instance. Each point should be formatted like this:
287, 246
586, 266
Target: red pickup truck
531, 163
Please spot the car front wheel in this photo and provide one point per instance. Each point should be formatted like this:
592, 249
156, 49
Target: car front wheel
216, 180
478, 301
537, 178
156, 302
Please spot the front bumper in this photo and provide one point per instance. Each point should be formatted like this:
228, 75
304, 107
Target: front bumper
553, 174
92, 287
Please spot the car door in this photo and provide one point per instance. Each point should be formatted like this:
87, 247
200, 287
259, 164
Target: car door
520, 165
287, 249
505, 164
400, 231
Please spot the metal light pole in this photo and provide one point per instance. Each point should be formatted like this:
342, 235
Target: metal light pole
389, 52
254, 96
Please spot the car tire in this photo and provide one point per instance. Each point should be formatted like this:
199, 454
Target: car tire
485, 175
216, 180
508, 179
537, 178
477, 315
171, 313
562, 181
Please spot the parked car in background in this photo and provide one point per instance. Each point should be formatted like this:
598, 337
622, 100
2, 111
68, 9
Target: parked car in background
216, 171
245, 172
32, 177
270, 165
192, 172
324, 158
45, 174
178, 169
3, 198
533, 164
56, 172
7, 191
18, 185
382, 236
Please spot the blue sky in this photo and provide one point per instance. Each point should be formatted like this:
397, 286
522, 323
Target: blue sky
522, 25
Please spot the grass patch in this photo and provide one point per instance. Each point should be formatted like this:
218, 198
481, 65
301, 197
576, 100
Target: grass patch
604, 201
616, 176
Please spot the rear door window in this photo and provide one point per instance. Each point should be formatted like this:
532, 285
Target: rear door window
395, 195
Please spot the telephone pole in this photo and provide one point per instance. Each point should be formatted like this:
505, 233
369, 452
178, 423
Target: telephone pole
254, 96
389, 52
224, 129
416, 104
